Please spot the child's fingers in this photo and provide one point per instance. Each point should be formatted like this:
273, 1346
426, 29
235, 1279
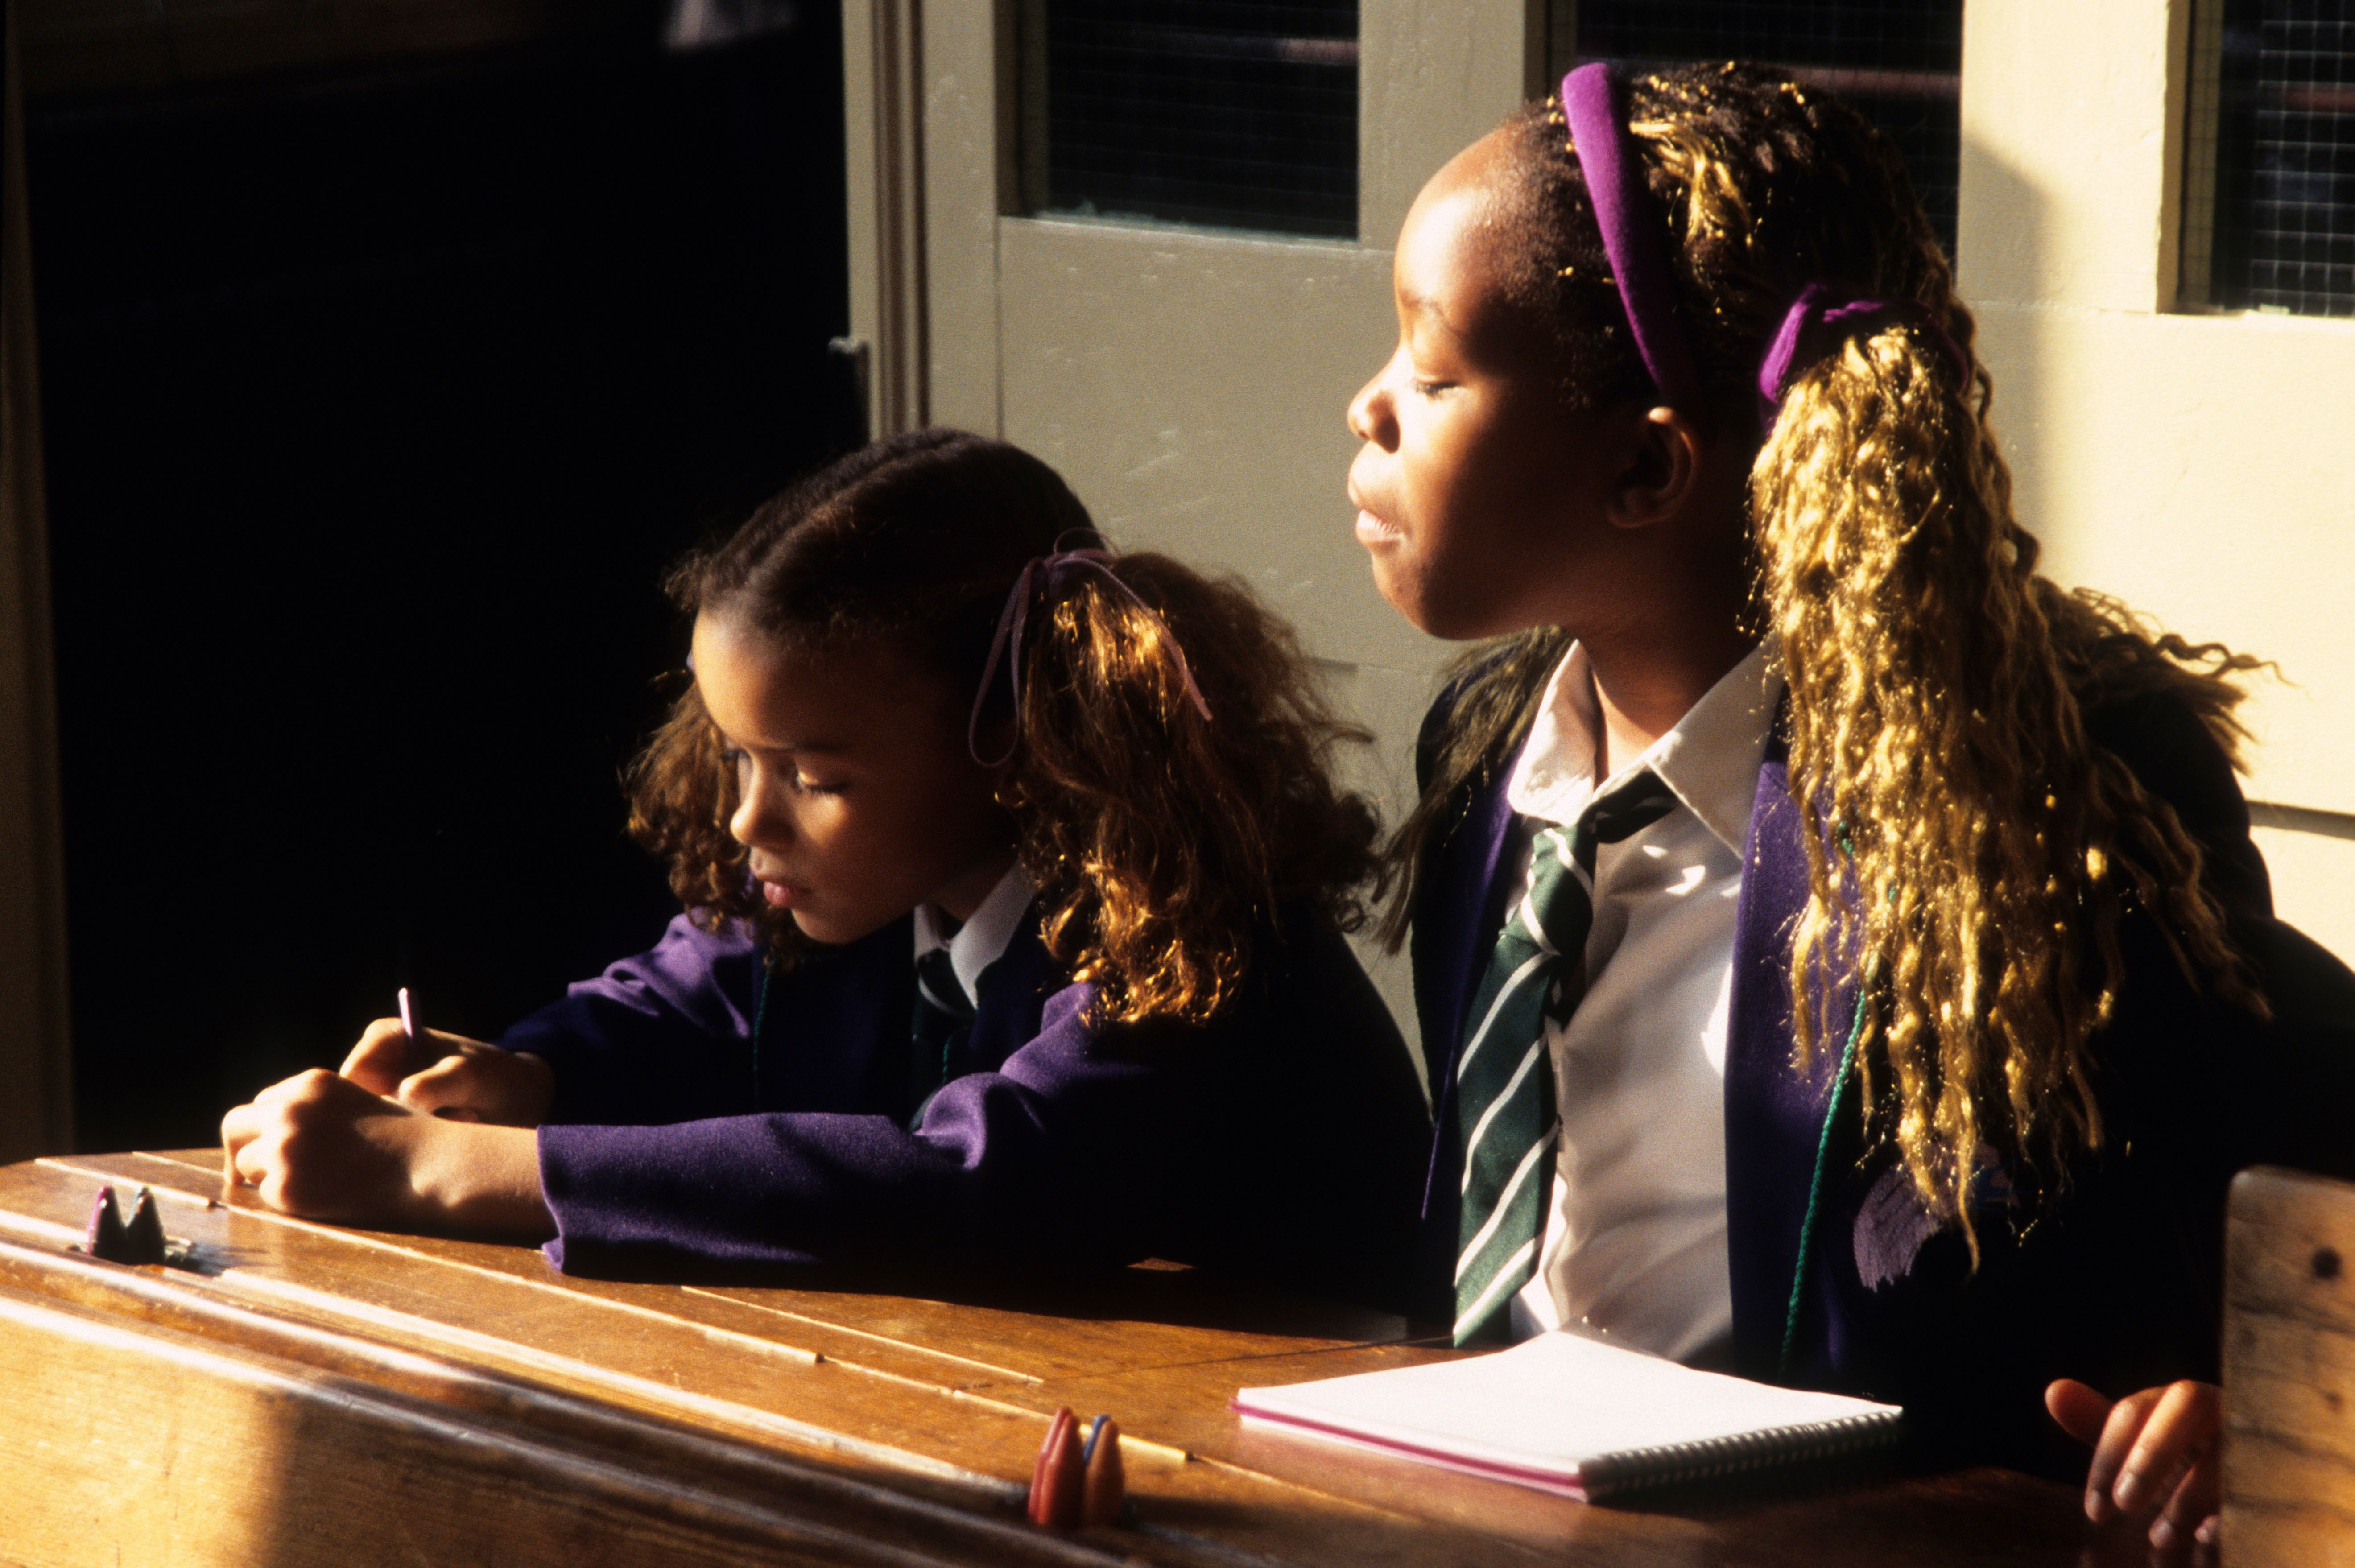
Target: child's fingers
238, 1130
2189, 1517
450, 1086
478, 1083
2175, 1460
313, 1145
2178, 1432
384, 1056
255, 1138
2110, 1453
2080, 1410
481, 1082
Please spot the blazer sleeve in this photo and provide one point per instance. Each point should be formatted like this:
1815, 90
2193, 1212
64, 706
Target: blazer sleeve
660, 1036
1287, 1151
804, 1186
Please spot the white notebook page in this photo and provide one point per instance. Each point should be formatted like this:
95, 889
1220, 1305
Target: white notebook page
1543, 1407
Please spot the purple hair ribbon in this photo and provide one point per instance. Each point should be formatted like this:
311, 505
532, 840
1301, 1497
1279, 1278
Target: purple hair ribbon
1820, 306
1044, 574
1630, 232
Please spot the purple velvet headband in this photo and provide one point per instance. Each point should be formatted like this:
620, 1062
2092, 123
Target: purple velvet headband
1631, 237
1630, 232
1819, 308
1040, 577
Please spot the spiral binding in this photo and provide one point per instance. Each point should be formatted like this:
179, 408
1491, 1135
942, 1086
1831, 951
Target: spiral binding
1670, 1463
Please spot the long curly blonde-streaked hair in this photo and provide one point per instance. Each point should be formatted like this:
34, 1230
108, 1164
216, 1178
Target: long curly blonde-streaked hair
1970, 850
1164, 843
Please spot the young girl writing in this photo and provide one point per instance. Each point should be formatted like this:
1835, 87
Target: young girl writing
1826, 930
1014, 875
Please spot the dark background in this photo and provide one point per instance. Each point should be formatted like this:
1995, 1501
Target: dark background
377, 400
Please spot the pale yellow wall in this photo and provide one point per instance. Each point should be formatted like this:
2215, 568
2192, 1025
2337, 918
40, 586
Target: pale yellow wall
2198, 465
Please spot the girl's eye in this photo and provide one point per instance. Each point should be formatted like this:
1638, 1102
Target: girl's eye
739, 769
1423, 389
739, 764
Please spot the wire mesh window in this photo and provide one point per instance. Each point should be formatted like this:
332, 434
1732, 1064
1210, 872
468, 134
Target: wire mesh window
1231, 113
2269, 197
1900, 61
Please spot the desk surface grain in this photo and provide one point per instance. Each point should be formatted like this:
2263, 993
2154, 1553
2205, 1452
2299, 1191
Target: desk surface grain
312, 1394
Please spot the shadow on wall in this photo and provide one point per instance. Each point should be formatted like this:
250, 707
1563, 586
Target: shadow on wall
2001, 222
376, 403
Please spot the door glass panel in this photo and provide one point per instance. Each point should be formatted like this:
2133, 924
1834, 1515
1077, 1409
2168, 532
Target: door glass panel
1230, 114
1900, 61
2269, 208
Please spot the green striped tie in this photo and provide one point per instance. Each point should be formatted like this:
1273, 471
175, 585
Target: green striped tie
1504, 1080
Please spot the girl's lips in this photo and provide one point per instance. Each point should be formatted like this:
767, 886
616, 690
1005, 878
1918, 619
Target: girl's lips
782, 895
1372, 530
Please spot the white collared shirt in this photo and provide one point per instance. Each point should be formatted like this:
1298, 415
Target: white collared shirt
1635, 1240
981, 940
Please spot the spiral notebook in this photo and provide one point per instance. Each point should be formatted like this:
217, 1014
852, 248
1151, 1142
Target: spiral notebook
1573, 1416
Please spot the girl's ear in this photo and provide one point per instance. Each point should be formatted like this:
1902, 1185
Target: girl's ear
1667, 469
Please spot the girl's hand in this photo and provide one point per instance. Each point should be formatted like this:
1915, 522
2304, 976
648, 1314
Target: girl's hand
2153, 1451
322, 1147
452, 1077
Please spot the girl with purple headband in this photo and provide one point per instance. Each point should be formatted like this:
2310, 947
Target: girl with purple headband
1015, 877
1833, 941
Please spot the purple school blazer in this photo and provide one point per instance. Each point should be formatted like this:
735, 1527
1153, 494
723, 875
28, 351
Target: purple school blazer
2112, 1274
1285, 1139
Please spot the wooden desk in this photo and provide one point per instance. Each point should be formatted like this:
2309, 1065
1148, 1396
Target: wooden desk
311, 1394
2289, 1368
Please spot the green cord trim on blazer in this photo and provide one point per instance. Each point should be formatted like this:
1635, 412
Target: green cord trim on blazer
760, 1021
1815, 1183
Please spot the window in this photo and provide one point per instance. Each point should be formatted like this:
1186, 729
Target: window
2269, 197
1900, 61
1230, 113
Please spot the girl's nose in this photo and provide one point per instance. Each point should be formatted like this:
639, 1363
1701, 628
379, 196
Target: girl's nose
755, 821
1369, 415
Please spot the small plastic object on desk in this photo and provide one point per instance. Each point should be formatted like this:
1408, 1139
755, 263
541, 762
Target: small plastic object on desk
110, 1237
1078, 1483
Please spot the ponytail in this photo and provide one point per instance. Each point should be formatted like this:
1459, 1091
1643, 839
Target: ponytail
1965, 839
1165, 838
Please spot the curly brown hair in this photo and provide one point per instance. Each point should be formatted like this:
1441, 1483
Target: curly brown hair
1937, 683
1162, 842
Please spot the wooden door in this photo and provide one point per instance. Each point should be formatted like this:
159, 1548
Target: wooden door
1189, 381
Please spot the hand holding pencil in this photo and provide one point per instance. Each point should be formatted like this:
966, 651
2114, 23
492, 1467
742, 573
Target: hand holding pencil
449, 1075
406, 1135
